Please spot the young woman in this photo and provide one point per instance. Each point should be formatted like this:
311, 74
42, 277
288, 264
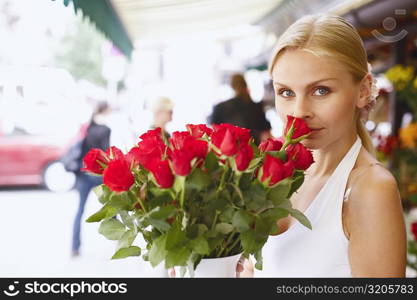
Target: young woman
320, 73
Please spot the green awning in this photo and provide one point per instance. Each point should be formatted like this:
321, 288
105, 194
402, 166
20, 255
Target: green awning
106, 19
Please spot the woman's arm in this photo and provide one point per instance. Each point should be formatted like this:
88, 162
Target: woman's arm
375, 225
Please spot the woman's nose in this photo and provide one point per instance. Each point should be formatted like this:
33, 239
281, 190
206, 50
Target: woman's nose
302, 109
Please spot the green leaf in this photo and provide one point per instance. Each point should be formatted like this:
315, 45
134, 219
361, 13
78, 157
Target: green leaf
127, 239
255, 197
202, 228
279, 193
127, 219
300, 217
250, 242
198, 180
177, 257
295, 185
282, 155
161, 225
275, 214
227, 215
120, 201
161, 200
215, 241
259, 260
242, 221
254, 163
158, 251
162, 213
112, 229
262, 228
192, 231
105, 212
245, 181
211, 163
103, 193
200, 245
175, 237
221, 202
126, 252
224, 228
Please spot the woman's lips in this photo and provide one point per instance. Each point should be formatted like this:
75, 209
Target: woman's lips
314, 131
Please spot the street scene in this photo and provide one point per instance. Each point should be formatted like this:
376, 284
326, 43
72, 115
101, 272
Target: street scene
34, 248
274, 132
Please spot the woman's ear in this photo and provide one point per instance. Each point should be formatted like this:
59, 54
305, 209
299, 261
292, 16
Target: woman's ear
365, 90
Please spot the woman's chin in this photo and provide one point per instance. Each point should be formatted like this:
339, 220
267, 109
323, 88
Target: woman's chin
310, 144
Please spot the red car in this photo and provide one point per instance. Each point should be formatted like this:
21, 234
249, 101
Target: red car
33, 160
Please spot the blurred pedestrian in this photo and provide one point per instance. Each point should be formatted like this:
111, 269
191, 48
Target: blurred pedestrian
97, 136
162, 108
242, 111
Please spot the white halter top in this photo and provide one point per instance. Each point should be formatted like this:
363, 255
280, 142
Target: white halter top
322, 251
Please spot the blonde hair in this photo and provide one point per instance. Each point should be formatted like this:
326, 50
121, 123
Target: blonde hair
161, 103
332, 36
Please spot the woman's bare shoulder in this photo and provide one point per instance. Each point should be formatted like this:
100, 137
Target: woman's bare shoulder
375, 184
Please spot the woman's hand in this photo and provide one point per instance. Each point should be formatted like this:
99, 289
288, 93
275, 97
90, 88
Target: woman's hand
244, 268
171, 273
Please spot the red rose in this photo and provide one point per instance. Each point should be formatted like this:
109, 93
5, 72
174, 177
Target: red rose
150, 148
271, 145
228, 138
414, 230
118, 176
152, 134
288, 168
199, 148
387, 144
300, 127
94, 161
229, 144
199, 130
115, 153
132, 157
302, 157
162, 173
181, 162
243, 157
179, 139
185, 141
272, 168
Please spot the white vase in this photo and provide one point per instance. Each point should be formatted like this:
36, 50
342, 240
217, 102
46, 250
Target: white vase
213, 267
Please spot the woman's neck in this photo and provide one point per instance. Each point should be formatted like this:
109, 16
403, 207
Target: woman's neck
326, 159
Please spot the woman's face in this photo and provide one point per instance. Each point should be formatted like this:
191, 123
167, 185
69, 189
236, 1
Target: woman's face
319, 90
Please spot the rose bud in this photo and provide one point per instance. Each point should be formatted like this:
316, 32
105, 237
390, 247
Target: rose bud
199, 130
162, 173
95, 161
272, 169
115, 153
270, 145
181, 162
298, 126
302, 157
244, 157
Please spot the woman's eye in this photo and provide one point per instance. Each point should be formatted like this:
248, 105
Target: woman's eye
286, 93
321, 91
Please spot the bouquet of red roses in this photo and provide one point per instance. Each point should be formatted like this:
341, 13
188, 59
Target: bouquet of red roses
203, 193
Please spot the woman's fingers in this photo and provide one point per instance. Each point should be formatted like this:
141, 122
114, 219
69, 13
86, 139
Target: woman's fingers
171, 273
240, 267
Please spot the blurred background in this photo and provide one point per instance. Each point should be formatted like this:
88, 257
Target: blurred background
60, 59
